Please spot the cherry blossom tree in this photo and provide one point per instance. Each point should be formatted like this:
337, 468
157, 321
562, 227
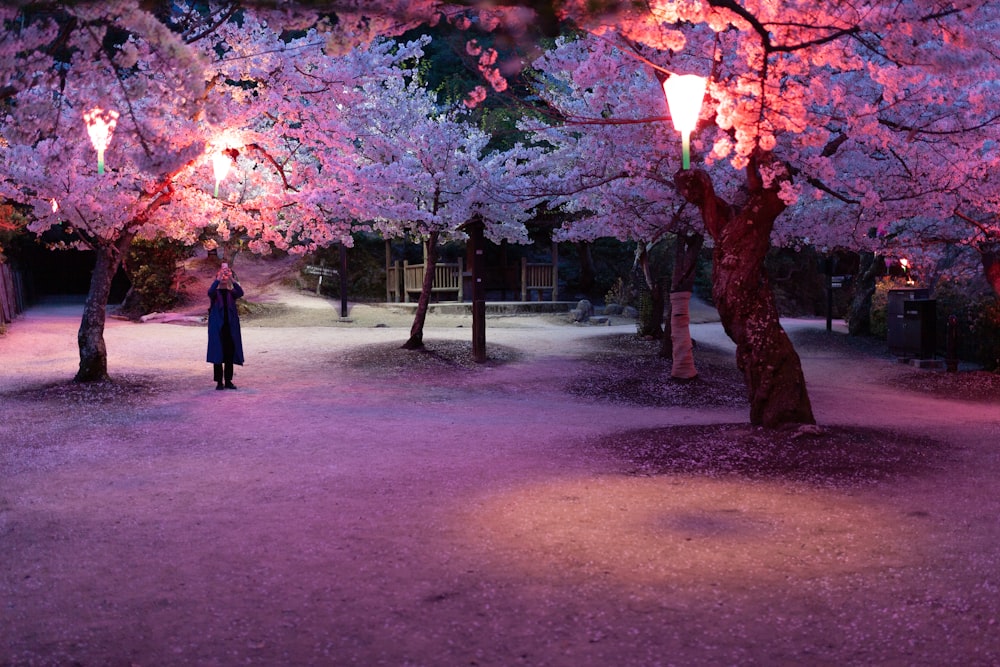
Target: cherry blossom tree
820, 124
608, 167
279, 113
821, 121
90, 65
424, 172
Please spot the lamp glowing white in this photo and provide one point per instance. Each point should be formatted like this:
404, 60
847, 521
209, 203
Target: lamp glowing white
905, 265
685, 93
100, 127
220, 166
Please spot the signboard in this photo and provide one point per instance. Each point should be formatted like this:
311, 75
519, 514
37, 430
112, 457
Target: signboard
320, 271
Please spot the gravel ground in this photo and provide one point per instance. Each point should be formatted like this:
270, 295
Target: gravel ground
564, 503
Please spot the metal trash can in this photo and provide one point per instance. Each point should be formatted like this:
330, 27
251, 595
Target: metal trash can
912, 322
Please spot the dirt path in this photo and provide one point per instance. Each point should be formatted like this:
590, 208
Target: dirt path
325, 514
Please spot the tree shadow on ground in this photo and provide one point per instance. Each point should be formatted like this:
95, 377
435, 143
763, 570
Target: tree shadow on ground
120, 390
626, 368
829, 456
437, 356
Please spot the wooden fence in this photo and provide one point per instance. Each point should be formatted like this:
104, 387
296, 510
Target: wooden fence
404, 280
11, 294
538, 278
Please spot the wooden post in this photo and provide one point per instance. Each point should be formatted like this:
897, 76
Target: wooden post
524, 279
828, 269
406, 293
555, 271
461, 281
319, 278
478, 291
389, 272
343, 281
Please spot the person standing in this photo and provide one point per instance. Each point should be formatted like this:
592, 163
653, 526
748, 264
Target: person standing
225, 343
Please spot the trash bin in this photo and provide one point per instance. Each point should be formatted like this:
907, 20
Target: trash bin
911, 322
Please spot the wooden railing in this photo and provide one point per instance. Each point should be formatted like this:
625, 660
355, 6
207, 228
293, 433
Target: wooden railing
11, 294
538, 278
405, 280
393, 282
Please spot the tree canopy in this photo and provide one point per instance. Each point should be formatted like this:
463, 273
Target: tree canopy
867, 125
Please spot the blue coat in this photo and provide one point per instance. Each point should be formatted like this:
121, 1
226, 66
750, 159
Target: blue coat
224, 300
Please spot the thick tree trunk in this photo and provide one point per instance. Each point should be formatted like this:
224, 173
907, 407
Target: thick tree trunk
990, 256
666, 341
416, 340
681, 346
587, 272
859, 322
90, 338
651, 321
743, 296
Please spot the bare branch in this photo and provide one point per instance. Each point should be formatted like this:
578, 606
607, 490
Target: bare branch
278, 167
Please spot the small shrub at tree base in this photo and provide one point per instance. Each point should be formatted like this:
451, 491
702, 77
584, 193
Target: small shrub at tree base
977, 315
151, 267
880, 305
620, 293
647, 324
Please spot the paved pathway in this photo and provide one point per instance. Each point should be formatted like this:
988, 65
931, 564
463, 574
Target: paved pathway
318, 517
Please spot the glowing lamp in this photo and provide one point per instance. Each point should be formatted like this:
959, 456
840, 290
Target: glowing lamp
905, 265
220, 166
100, 127
55, 206
685, 93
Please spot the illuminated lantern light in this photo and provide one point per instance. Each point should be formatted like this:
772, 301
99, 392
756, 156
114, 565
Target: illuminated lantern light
685, 93
221, 162
100, 127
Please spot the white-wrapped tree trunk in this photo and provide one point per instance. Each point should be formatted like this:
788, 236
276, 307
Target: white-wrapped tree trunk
680, 337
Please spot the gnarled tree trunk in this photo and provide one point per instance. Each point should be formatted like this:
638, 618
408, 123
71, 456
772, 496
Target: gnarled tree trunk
416, 340
859, 320
989, 253
90, 338
651, 321
743, 296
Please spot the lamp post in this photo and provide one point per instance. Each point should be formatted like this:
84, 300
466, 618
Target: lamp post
100, 127
684, 96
